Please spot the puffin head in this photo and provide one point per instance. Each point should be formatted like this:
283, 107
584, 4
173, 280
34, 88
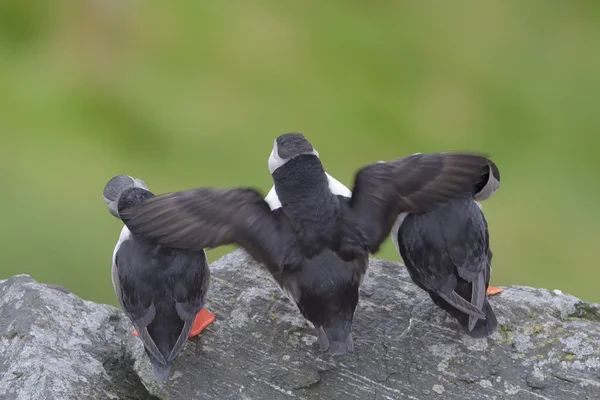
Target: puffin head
489, 184
287, 147
115, 188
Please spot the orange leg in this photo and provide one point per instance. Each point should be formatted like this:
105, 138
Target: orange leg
203, 319
492, 290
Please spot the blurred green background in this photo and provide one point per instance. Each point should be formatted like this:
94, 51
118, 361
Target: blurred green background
184, 94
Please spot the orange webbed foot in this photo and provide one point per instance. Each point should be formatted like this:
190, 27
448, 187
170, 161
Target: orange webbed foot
203, 319
492, 290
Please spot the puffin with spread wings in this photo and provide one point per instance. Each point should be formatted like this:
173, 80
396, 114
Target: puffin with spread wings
447, 253
161, 290
313, 219
326, 289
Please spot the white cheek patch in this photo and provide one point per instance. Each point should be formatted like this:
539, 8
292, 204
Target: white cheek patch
274, 160
396, 228
138, 183
488, 190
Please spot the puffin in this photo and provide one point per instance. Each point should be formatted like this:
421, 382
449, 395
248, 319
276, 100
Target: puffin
326, 289
313, 220
447, 253
161, 290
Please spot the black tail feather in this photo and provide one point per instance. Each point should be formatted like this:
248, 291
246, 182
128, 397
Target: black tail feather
161, 371
336, 341
483, 328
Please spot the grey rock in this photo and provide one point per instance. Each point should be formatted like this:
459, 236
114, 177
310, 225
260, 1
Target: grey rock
54, 345
57, 346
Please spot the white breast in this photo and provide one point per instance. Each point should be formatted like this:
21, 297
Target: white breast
396, 227
125, 234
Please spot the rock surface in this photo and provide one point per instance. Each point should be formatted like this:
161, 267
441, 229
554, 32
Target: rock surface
57, 346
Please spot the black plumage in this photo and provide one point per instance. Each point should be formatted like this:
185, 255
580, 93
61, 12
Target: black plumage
316, 245
447, 253
326, 289
313, 219
159, 288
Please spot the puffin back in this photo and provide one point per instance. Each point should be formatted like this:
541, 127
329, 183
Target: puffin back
311, 208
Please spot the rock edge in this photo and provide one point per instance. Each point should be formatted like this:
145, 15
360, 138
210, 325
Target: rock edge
58, 346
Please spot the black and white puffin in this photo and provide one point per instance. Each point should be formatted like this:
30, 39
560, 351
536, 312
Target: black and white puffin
326, 289
162, 290
312, 218
447, 253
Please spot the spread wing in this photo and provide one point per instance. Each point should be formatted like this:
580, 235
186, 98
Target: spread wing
206, 218
416, 183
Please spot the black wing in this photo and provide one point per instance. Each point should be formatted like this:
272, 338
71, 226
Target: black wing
468, 248
416, 183
137, 302
445, 251
161, 291
206, 218
189, 291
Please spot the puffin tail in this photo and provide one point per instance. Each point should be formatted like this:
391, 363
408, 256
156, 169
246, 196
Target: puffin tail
474, 327
483, 327
477, 298
480, 328
335, 340
161, 371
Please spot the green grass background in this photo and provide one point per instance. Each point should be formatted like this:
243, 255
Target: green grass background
191, 93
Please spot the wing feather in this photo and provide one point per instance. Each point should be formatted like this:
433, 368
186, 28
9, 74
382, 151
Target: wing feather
478, 296
445, 251
207, 218
138, 308
413, 184
463, 305
189, 294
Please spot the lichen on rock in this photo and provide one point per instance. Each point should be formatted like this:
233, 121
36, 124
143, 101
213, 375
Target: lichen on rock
57, 346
